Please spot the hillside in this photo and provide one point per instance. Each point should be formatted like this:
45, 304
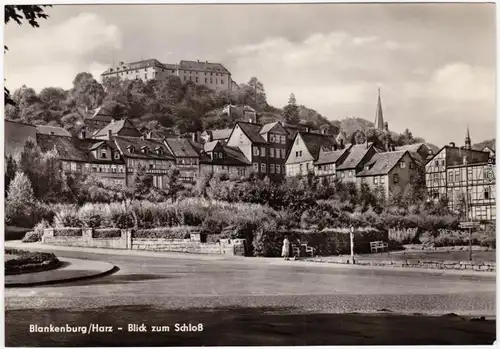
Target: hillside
491, 143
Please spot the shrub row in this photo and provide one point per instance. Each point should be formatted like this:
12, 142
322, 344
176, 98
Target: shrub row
68, 232
164, 233
106, 233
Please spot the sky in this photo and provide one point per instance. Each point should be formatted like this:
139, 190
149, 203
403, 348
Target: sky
434, 63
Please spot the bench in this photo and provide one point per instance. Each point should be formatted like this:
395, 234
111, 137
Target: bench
375, 246
308, 250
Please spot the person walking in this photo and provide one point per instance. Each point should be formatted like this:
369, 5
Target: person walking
285, 252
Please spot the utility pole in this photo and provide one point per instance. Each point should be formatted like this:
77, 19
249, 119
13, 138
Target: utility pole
467, 205
351, 235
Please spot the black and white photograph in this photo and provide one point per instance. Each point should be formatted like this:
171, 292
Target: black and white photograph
257, 174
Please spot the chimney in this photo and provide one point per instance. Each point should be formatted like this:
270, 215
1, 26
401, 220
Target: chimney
86, 109
452, 144
194, 137
308, 129
367, 143
109, 134
341, 144
335, 147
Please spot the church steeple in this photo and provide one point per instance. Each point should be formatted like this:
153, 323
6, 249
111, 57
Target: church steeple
468, 143
379, 116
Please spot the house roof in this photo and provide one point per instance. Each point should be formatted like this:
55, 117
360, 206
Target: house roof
135, 65
411, 147
181, 147
219, 134
203, 66
331, 157
382, 163
356, 153
252, 131
268, 127
124, 143
455, 155
73, 149
210, 146
235, 156
316, 141
116, 127
52, 130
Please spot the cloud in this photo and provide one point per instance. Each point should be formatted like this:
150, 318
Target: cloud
60, 51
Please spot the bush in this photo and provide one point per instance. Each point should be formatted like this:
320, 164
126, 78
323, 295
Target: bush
403, 236
106, 233
91, 216
36, 235
20, 204
164, 233
451, 237
67, 217
68, 232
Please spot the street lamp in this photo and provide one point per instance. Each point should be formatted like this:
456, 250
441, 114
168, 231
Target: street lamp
467, 205
351, 235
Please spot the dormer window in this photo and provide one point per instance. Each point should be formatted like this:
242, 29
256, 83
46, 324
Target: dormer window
159, 151
104, 153
131, 149
144, 149
117, 156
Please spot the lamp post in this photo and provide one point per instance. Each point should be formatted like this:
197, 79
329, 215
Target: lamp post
351, 235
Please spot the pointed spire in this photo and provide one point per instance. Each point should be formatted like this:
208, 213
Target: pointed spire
379, 116
468, 143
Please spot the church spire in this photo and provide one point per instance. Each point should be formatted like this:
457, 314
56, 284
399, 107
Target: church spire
468, 143
379, 116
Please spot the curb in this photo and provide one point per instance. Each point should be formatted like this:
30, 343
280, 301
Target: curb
109, 271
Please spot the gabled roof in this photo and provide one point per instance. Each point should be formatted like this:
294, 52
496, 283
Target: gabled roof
135, 65
125, 143
235, 156
52, 130
116, 127
356, 153
210, 146
203, 66
181, 147
219, 134
252, 131
331, 157
72, 148
316, 141
455, 155
411, 147
268, 127
382, 163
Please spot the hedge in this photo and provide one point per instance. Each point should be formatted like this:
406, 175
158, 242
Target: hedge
106, 233
183, 232
332, 241
68, 232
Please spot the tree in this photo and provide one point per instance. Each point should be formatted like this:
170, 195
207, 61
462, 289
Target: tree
20, 202
174, 184
142, 182
87, 92
253, 94
18, 13
10, 172
291, 111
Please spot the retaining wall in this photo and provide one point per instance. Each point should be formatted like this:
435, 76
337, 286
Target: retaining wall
127, 241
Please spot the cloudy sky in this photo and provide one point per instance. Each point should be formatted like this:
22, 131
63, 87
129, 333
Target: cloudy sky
435, 63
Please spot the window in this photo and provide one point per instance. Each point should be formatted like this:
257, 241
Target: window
342, 174
103, 154
486, 193
297, 141
117, 156
363, 180
255, 167
283, 139
272, 138
196, 79
113, 168
185, 78
263, 168
271, 168
450, 177
375, 180
262, 151
283, 153
211, 80
256, 151
301, 168
206, 81
278, 169
241, 138
382, 179
457, 175
146, 76
402, 164
222, 82
271, 152
436, 163
412, 165
395, 178
297, 154
221, 155
350, 174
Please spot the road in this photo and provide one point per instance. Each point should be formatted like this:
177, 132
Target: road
233, 299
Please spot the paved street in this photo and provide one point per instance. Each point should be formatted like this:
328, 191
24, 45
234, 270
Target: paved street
161, 291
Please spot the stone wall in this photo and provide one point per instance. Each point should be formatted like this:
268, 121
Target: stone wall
427, 264
126, 241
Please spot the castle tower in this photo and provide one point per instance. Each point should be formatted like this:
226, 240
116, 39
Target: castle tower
379, 116
468, 143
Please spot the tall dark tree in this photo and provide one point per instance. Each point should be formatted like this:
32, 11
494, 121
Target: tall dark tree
18, 14
291, 111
